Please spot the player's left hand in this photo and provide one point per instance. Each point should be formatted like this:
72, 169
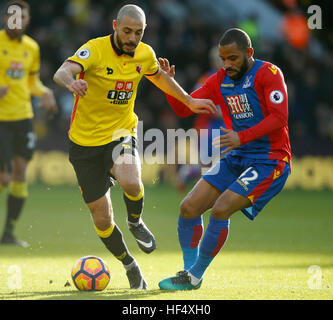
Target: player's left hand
230, 140
165, 66
49, 102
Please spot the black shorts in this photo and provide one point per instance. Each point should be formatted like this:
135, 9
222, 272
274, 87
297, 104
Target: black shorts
17, 138
92, 165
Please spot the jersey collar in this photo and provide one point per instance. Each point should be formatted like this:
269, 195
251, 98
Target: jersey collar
118, 51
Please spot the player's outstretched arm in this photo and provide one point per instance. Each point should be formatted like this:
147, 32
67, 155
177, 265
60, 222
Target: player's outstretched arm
65, 78
164, 80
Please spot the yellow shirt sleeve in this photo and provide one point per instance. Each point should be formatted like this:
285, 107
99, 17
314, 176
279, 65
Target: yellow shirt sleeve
87, 56
36, 86
35, 66
154, 65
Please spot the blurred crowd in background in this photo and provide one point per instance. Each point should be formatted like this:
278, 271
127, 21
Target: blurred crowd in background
186, 32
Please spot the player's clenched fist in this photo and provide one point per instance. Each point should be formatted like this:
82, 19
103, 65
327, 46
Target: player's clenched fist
79, 87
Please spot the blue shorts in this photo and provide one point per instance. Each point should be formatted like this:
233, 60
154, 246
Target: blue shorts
258, 180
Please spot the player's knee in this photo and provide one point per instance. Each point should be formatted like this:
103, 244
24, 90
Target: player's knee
19, 171
188, 209
221, 211
5, 179
19, 176
101, 212
102, 219
102, 222
132, 188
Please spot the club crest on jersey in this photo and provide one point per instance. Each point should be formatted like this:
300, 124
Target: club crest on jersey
247, 82
138, 68
83, 54
16, 70
239, 106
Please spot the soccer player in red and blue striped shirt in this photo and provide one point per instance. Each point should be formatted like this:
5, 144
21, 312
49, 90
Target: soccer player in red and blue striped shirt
252, 96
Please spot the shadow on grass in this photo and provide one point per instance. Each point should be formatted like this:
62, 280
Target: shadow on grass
111, 294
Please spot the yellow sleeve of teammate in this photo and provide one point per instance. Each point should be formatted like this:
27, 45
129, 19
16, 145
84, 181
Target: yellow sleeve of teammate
154, 65
86, 56
36, 87
35, 66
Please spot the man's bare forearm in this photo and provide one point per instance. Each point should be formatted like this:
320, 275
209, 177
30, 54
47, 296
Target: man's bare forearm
64, 77
170, 86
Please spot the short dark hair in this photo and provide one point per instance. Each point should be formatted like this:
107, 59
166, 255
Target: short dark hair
20, 3
240, 37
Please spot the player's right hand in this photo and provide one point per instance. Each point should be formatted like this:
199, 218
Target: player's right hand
3, 91
202, 106
79, 87
49, 103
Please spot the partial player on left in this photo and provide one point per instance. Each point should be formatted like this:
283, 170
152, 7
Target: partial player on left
19, 80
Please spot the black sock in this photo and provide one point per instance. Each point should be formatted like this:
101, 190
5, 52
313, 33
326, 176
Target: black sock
116, 245
14, 209
134, 208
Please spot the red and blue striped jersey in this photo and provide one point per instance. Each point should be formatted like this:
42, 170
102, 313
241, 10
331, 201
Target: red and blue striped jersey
256, 107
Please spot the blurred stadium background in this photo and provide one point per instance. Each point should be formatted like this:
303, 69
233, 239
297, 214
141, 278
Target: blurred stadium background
185, 31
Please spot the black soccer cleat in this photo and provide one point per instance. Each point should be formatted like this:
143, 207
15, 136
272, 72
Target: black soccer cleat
143, 236
11, 240
135, 279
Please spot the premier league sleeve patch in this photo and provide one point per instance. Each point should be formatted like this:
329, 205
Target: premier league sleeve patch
83, 54
276, 96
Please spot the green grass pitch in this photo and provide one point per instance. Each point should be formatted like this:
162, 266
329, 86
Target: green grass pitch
285, 254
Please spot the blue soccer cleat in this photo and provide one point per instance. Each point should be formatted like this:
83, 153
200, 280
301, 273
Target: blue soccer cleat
182, 281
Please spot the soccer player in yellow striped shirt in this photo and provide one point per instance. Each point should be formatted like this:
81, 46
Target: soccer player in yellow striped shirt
102, 132
19, 79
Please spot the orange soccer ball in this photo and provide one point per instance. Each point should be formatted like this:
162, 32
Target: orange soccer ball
90, 273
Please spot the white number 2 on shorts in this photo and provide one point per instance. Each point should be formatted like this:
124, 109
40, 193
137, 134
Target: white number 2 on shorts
246, 180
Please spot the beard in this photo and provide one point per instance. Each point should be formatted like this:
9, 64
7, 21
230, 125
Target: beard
15, 33
243, 69
121, 45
